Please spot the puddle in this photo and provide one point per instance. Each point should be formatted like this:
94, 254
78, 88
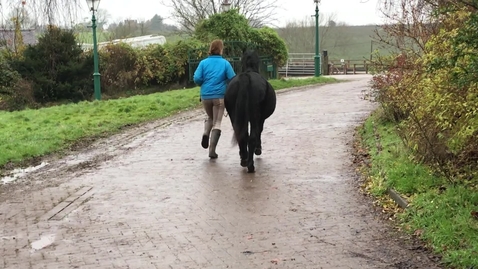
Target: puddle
139, 140
21, 172
44, 242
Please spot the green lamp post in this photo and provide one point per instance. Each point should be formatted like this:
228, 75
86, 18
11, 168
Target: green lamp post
93, 6
317, 55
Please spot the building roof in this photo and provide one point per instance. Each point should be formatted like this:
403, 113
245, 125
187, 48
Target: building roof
7, 37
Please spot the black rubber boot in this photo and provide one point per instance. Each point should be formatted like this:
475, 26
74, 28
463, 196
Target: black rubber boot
207, 132
215, 134
205, 141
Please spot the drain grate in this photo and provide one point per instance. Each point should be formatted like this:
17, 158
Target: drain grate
69, 204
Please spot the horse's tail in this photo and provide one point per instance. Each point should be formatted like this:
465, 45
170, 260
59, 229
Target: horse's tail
241, 121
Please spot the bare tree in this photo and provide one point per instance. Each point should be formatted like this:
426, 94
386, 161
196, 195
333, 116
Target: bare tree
125, 28
102, 18
59, 12
143, 27
410, 23
23, 17
189, 12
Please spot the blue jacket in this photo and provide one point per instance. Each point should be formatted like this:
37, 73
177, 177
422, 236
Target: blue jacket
213, 74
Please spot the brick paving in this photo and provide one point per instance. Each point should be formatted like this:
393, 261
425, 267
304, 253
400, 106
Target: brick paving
164, 204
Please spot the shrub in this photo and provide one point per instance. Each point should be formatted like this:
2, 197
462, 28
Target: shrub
8, 77
448, 107
119, 68
391, 86
269, 43
153, 63
229, 25
56, 67
232, 26
434, 96
124, 68
179, 53
22, 97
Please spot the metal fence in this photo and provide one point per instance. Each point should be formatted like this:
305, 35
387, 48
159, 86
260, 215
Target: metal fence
302, 64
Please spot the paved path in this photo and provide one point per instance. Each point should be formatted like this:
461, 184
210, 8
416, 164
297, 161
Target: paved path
153, 199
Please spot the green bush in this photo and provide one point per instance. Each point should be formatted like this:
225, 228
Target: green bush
269, 43
232, 26
56, 67
119, 67
433, 97
179, 53
228, 25
8, 77
124, 68
154, 63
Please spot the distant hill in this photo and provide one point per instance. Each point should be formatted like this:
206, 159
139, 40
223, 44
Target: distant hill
341, 42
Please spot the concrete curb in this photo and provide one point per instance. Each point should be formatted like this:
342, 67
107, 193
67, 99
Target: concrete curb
397, 198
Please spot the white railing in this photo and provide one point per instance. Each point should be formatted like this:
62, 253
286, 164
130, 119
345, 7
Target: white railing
298, 59
303, 64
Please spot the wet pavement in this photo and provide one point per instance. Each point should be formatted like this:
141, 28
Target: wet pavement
151, 198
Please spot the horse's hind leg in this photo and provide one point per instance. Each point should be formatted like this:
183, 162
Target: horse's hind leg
258, 150
252, 143
243, 151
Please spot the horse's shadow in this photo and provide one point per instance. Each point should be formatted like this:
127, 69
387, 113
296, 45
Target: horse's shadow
249, 100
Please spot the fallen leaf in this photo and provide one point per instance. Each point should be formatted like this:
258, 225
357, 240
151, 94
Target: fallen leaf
418, 232
474, 214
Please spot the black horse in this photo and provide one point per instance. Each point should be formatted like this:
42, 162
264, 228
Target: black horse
249, 98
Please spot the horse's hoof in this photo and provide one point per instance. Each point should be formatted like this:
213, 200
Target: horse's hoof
250, 169
258, 151
243, 163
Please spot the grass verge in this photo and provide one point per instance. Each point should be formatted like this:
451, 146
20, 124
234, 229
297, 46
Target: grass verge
33, 133
442, 214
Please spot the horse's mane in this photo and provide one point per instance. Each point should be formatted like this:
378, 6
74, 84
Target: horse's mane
250, 61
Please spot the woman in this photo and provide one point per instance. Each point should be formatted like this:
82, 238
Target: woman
213, 74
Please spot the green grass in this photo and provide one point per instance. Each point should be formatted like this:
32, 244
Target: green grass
87, 37
33, 133
439, 210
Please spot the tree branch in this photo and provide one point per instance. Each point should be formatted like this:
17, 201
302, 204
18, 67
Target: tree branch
188, 13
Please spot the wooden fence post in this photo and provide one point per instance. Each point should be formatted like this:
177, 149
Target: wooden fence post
325, 63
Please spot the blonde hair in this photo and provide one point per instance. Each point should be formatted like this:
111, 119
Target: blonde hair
216, 47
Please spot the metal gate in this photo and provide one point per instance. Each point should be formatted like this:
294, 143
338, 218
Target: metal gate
232, 52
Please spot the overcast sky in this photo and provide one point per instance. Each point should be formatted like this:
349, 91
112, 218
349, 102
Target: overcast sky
353, 12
